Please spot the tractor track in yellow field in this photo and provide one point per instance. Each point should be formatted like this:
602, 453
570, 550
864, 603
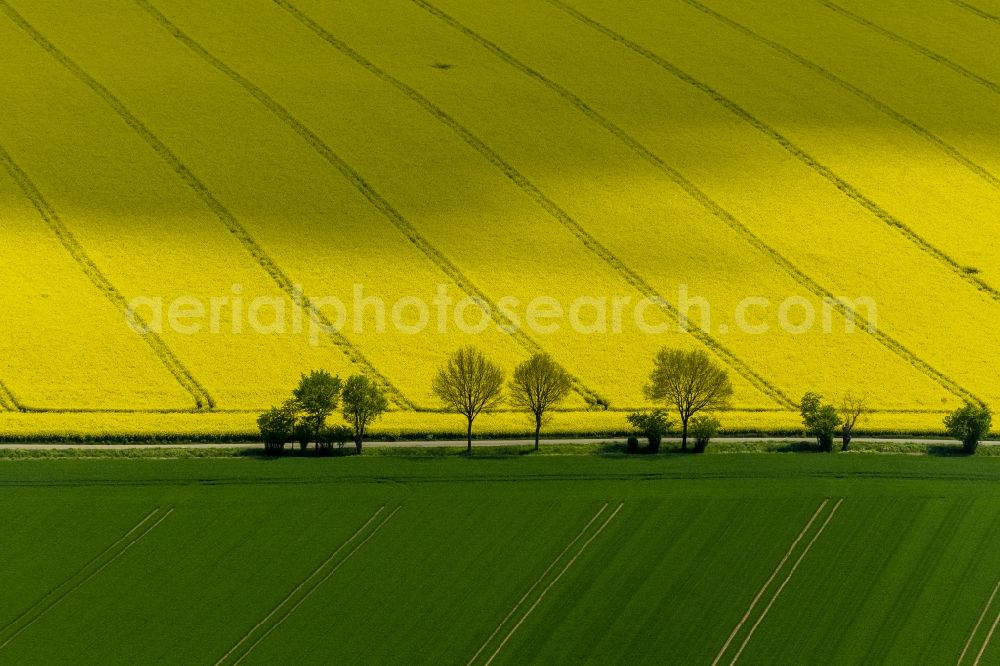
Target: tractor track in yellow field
379, 202
981, 13
913, 46
884, 108
547, 204
227, 218
846, 188
706, 202
48, 214
8, 402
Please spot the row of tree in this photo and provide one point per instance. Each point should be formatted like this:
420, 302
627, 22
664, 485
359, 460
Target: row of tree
686, 383
469, 384
969, 424
303, 417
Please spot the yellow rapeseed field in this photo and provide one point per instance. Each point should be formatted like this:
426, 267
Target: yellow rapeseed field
298, 184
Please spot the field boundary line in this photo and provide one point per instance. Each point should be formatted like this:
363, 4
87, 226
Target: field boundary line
552, 583
914, 46
844, 187
89, 268
979, 622
538, 582
767, 583
234, 226
79, 571
781, 587
986, 641
377, 200
87, 578
315, 587
981, 13
948, 149
705, 201
547, 204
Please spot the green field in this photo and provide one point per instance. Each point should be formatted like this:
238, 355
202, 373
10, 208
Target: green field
687, 560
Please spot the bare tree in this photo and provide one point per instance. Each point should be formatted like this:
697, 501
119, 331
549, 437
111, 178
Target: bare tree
538, 385
469, 383
852, 409
690, 382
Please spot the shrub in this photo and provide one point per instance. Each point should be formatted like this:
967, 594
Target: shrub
277, 426
632, 445
703, 429
969, 424
653, 425
820, 420
330, 435
303, 434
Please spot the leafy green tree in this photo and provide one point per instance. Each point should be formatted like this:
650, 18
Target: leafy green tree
277, 427
703, 429
469, 383
969, 424
317, 396
538, 385
820, 420
653, 425
690, 382
364, 403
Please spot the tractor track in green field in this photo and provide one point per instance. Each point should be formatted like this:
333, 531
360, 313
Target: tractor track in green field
541, 595
924, 566
844, 187
379, 202
95, 566
48, 214
233, 225
706, 202
538, 582
305, 589
975, 630
777, 593
760, 593
945, 147
981, 13
914, 46
550, 207
987, 640
987, 544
